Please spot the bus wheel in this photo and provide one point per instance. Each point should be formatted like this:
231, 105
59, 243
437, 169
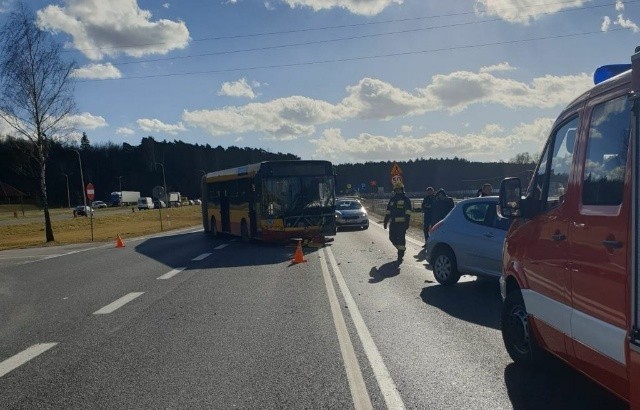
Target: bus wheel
214, 227
244, 231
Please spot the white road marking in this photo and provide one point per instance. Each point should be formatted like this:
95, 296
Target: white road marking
386, 383
201, 257
357, 386
224, 245
118, 303
23, 357
172, 273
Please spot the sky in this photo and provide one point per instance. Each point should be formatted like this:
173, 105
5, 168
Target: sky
348, 81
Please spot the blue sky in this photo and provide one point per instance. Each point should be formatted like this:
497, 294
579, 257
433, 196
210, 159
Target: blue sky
343, 80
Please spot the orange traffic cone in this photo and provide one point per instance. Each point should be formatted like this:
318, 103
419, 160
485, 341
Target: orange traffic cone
298, 257
119, 242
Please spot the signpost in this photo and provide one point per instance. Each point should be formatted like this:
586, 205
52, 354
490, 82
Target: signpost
91, 194
396, 174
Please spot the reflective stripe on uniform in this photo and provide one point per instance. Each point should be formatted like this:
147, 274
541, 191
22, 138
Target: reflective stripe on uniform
400, 219
401, 247
408, 212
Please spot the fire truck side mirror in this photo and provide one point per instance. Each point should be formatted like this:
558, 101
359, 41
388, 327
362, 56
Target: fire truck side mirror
509, 205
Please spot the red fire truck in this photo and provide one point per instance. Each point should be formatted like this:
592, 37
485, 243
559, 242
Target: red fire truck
570, 278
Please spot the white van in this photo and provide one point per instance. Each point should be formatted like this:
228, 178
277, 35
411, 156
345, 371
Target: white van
145, 202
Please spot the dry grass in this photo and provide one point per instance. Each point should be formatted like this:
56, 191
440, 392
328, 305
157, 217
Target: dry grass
29, 231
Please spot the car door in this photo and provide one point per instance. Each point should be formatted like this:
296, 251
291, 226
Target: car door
482, 248
599, 234
544, 239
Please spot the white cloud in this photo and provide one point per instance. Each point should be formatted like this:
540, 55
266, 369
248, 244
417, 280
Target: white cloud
102, 28
523, 11
627, 23
155, 125
295, 116
85, 121
406, 129
606, 24
125, 131
284, 118
362, 7
619, 5
497, 67
5, 5
491, 144
97, 72
240, 88
269, 6
166, 5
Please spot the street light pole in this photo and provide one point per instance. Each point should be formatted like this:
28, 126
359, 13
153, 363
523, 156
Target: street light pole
164, 181
68, 197
84, 196
120, 183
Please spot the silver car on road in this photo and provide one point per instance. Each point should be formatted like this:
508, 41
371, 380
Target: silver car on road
468, 241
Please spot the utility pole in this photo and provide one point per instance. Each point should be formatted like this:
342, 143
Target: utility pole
68, 197
164, 182
120, 183
84, 196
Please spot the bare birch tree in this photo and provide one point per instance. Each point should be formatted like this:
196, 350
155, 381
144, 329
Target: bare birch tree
36, 90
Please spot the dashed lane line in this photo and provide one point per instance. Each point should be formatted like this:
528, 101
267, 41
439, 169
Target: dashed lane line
23, 357
201, 257
118, 303
172, 273
224, 245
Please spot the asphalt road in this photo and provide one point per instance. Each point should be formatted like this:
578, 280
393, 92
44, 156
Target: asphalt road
187, 321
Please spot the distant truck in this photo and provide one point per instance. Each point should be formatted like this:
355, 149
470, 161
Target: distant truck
175, 199
122, 198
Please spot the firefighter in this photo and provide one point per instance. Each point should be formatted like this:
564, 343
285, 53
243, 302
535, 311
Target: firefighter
397, 217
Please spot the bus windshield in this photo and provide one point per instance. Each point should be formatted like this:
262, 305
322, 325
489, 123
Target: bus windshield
297, 195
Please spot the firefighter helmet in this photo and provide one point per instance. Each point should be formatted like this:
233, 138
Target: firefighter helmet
398, 185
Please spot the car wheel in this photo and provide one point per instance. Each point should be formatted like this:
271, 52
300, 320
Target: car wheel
214, 227
244, 231
516, 330
444, 267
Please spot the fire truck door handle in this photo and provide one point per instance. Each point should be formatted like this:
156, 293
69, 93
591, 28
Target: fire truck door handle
613, 244
558, 237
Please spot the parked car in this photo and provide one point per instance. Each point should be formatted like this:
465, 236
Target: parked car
145, 202
159, 204
98, 204
82, 210
350, 212
468, 241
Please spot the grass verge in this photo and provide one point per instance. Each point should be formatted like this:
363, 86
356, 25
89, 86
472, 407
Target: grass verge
106, 225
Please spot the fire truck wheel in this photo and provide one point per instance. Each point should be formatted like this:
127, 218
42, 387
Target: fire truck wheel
444, 266
516, 331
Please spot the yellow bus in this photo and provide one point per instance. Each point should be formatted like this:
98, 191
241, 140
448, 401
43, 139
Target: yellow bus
271, 201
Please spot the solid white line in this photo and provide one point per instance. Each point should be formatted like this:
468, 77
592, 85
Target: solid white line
387, 386
357, 386
201, 257
118, 303
224, 245
171, 274
23, 357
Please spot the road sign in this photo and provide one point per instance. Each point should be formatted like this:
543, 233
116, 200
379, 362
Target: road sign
91, 193
395, 169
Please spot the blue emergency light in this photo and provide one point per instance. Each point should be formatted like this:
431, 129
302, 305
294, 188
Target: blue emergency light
608, 71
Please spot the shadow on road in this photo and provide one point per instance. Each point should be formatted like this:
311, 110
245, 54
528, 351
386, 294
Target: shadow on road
255, 253
386, 271
556, 386
477, 302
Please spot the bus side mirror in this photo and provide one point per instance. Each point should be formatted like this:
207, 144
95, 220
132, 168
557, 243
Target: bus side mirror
509, 205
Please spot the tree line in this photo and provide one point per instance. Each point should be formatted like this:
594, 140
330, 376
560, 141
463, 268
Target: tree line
110, 167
